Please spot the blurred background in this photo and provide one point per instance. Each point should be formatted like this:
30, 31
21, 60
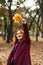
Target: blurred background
32, 11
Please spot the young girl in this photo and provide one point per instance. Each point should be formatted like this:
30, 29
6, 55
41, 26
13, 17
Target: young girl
21, 50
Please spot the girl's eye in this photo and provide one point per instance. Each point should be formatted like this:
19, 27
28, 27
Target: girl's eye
18, 33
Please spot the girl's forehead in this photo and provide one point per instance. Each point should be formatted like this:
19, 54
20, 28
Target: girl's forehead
18, 31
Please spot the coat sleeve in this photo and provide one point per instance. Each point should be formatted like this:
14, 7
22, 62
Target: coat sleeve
26, 33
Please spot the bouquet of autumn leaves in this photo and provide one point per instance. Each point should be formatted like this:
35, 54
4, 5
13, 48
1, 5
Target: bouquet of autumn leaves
17, 18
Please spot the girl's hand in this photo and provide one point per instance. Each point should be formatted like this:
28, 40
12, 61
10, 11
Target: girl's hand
23, 21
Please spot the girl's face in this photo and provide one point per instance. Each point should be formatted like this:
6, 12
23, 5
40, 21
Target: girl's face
19, 35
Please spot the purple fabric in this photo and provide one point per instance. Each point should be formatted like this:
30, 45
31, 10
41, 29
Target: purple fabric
22, 53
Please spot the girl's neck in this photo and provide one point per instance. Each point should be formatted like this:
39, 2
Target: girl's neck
19, 40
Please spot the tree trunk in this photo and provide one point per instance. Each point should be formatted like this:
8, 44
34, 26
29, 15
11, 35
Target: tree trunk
42, 25
8, 36
41, 10
37, 34
5, 27
10, 30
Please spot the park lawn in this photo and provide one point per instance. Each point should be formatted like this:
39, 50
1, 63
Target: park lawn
33, 39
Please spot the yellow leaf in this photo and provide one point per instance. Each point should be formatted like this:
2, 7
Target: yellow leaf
17, 18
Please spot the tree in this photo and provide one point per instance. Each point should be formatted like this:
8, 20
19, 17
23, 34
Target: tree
3, 11
40, 3
5, 26
8, 4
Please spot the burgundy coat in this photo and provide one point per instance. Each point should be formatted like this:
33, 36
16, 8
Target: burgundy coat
22, 53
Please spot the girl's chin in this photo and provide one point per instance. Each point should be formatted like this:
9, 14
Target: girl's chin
19, 38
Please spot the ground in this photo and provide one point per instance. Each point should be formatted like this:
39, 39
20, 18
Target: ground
36, 51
